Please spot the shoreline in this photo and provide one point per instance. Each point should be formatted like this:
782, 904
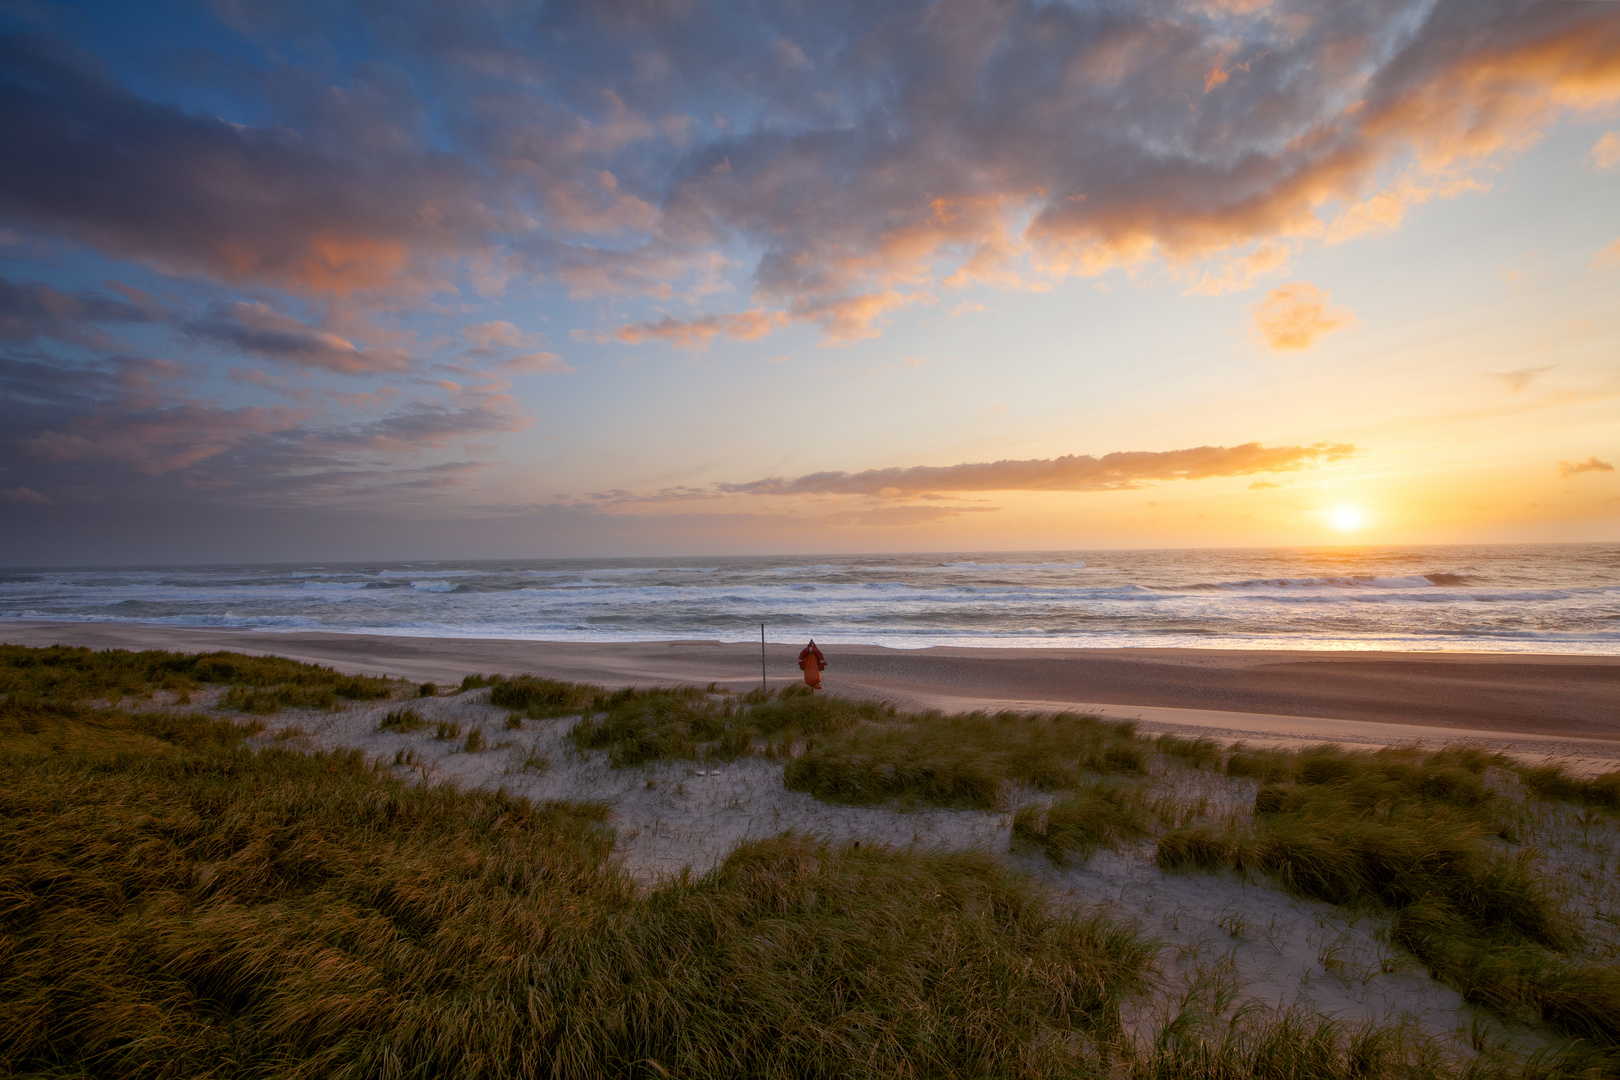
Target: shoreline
1532, 704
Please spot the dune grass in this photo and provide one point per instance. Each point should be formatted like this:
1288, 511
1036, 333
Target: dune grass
177, 904
404, 721
1554, 782
690, 723
256, 684
965, 760
173, 902
1070, 829
1416, 834
1292, 1043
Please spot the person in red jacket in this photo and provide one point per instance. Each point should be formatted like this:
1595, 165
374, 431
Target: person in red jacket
812, 663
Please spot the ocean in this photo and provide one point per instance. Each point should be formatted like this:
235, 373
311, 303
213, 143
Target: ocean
1514, 598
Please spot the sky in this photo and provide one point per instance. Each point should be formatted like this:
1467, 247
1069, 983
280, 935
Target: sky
284, 280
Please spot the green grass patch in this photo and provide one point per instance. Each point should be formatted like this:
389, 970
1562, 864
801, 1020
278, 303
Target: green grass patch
1106, 813
839, 750
257, 683
1291, 1044
539, 698
966, 760
1415, 834
1553, 782
176, 904
1200, 753
690, 723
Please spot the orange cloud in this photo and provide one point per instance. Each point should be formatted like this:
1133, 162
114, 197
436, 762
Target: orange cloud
502, 347
1568, 469
700, 332
1295, 315
1606, 151
850, 318
1072, 472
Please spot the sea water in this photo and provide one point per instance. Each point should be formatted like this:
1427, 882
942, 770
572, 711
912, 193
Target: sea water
1520, 598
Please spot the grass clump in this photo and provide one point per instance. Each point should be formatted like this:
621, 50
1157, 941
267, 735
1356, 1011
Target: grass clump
1107, 813
539, 698
1289, 1044
403, 721
690, 723
1414, 833
177, 904
1201, 753
446, 729
475, 741
966, 760
1554, 783
257, 683
641, 726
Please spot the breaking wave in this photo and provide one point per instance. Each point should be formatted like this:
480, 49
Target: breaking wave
1545, 598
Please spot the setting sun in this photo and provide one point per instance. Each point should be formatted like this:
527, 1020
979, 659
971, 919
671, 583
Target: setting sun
1346, 518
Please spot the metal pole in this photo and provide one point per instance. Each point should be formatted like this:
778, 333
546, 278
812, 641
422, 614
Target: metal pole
762, 658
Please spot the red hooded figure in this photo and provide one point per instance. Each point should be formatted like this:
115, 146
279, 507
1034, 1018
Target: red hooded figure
813, 664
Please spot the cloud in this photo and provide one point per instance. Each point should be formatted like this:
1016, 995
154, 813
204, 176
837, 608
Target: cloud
900, 150
1517, 380
1608, 256
535, 363
901, 516
502, 347
258, 330
1592, 464
1074, 120
1238, 272
1295, 315
1606, 151
156, 440
1261, 485
24, 495
133, 429
33, 310
1112, 472
700, 332
351, 203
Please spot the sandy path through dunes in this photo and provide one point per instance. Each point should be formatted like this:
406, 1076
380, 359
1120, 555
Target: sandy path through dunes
1566, 705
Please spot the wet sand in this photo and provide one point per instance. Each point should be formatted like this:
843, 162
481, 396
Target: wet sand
1563, 704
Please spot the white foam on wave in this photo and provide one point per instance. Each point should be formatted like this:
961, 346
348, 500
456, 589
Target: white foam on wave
1012, 566
1532, 600
427, 573
1412, 581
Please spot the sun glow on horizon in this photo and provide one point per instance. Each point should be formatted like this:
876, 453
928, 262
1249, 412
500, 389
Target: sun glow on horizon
1346, 518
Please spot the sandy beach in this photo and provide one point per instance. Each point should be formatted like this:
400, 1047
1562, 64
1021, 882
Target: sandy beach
1567, 706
